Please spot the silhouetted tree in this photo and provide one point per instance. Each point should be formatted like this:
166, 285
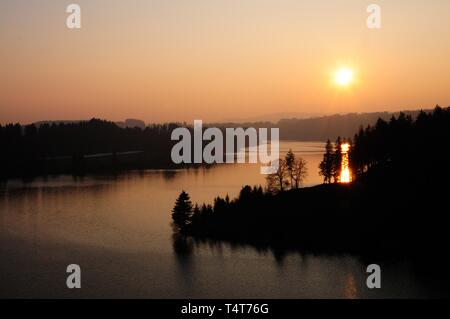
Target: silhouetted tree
299, 172
296, 170
337, 160
290, 160
326, 166
182, 212
278, 182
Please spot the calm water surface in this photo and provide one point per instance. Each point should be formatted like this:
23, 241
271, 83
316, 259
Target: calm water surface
118, 230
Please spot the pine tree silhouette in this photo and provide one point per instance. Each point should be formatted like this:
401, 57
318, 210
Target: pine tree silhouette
182, 212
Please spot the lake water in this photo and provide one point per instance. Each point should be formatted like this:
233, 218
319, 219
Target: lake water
118, 230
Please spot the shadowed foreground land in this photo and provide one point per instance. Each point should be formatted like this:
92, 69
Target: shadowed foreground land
394, 219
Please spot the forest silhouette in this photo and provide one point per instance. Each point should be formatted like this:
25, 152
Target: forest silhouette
395, 204
82, 147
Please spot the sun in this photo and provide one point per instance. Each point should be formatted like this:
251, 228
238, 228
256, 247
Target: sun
343, 76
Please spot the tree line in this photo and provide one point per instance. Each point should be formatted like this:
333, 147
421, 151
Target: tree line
64, 147
411, 149
402, 145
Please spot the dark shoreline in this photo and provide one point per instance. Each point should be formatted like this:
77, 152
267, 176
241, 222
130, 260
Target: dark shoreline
358, 218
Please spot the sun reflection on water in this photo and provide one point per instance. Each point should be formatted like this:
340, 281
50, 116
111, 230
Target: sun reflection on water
345, 169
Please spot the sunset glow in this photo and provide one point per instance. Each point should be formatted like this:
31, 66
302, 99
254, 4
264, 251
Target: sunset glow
163, 61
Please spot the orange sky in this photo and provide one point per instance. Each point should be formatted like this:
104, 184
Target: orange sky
176, 60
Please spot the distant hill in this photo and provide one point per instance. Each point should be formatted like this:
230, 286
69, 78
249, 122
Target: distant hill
132, 123
274, 117
324, 127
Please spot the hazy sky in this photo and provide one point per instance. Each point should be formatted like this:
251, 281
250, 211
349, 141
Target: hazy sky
176, 60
